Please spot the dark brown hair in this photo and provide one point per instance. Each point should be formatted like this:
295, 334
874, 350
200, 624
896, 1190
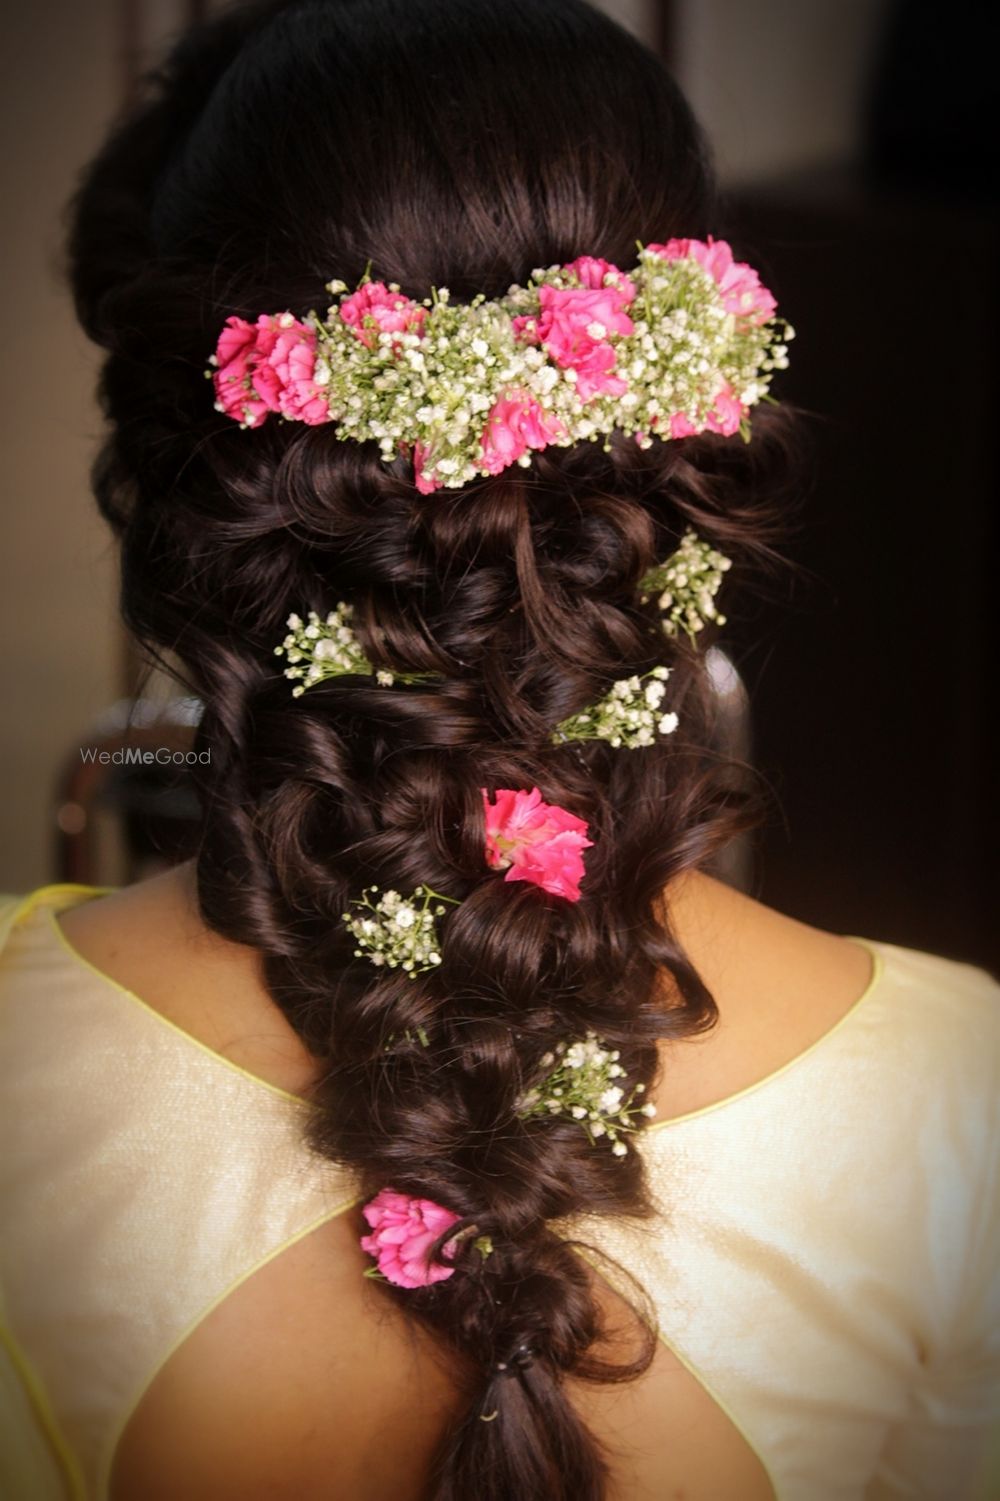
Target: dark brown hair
458, 143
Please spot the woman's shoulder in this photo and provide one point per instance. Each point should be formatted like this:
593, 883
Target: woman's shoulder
787, 990
919, 972
149, 940
942, 1010
15, 905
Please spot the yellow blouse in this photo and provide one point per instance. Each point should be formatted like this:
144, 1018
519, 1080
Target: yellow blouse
827, 1263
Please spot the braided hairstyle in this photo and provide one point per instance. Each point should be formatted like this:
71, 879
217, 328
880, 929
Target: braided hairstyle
458, 143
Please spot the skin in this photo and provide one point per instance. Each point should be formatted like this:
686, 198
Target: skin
303, 1384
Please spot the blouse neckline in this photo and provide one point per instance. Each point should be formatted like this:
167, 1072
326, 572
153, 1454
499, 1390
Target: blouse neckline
81, 961
45, 896
874, 980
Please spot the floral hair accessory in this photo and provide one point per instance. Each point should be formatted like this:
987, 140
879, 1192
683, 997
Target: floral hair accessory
318, 649
683, 343
629, 715
403, 1231
581, 1084
398, 932
687, 584
535, 841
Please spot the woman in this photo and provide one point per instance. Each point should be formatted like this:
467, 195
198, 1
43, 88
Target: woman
361, 1156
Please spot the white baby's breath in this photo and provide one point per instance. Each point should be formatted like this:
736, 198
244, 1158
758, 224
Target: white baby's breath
628, 715
398, 932
686, 586
580, 1083
316, 649
320, 648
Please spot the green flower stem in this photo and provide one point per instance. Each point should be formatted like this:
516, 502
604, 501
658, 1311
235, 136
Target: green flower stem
437, 896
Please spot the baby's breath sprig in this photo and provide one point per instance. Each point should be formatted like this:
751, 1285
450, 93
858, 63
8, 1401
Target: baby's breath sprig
687, 584
581, 1084
398, 932
629, 715
317, 649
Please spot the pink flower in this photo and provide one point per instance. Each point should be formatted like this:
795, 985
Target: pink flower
292, 361
421, 456
404, 1231
268, 366
681, 426
727, 412
535, 841
516, 422
573, 326
741, 288
238, 355
591, 271
374, 308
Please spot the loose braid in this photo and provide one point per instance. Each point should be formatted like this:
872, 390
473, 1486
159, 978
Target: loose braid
518, 596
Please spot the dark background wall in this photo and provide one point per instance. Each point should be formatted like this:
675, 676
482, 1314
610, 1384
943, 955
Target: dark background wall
873, 688
872, 693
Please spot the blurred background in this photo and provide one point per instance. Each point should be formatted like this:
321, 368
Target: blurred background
856, 147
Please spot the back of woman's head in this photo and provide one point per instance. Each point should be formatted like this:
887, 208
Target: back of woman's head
436, 142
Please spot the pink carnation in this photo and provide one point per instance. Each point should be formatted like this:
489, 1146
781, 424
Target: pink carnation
727, 412
268, 366
573, 327
293, 364
591, 271
404, 1229
421, 456
681, 426
374, 308
535, 841
516, 422
238, 355
739, 283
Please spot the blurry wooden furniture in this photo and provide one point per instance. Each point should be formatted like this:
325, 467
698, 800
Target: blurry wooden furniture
125, 806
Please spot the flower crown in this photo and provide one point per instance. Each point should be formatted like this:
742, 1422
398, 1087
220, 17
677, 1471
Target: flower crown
684, 343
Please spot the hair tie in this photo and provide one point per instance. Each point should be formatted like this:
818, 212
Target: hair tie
521, 1359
